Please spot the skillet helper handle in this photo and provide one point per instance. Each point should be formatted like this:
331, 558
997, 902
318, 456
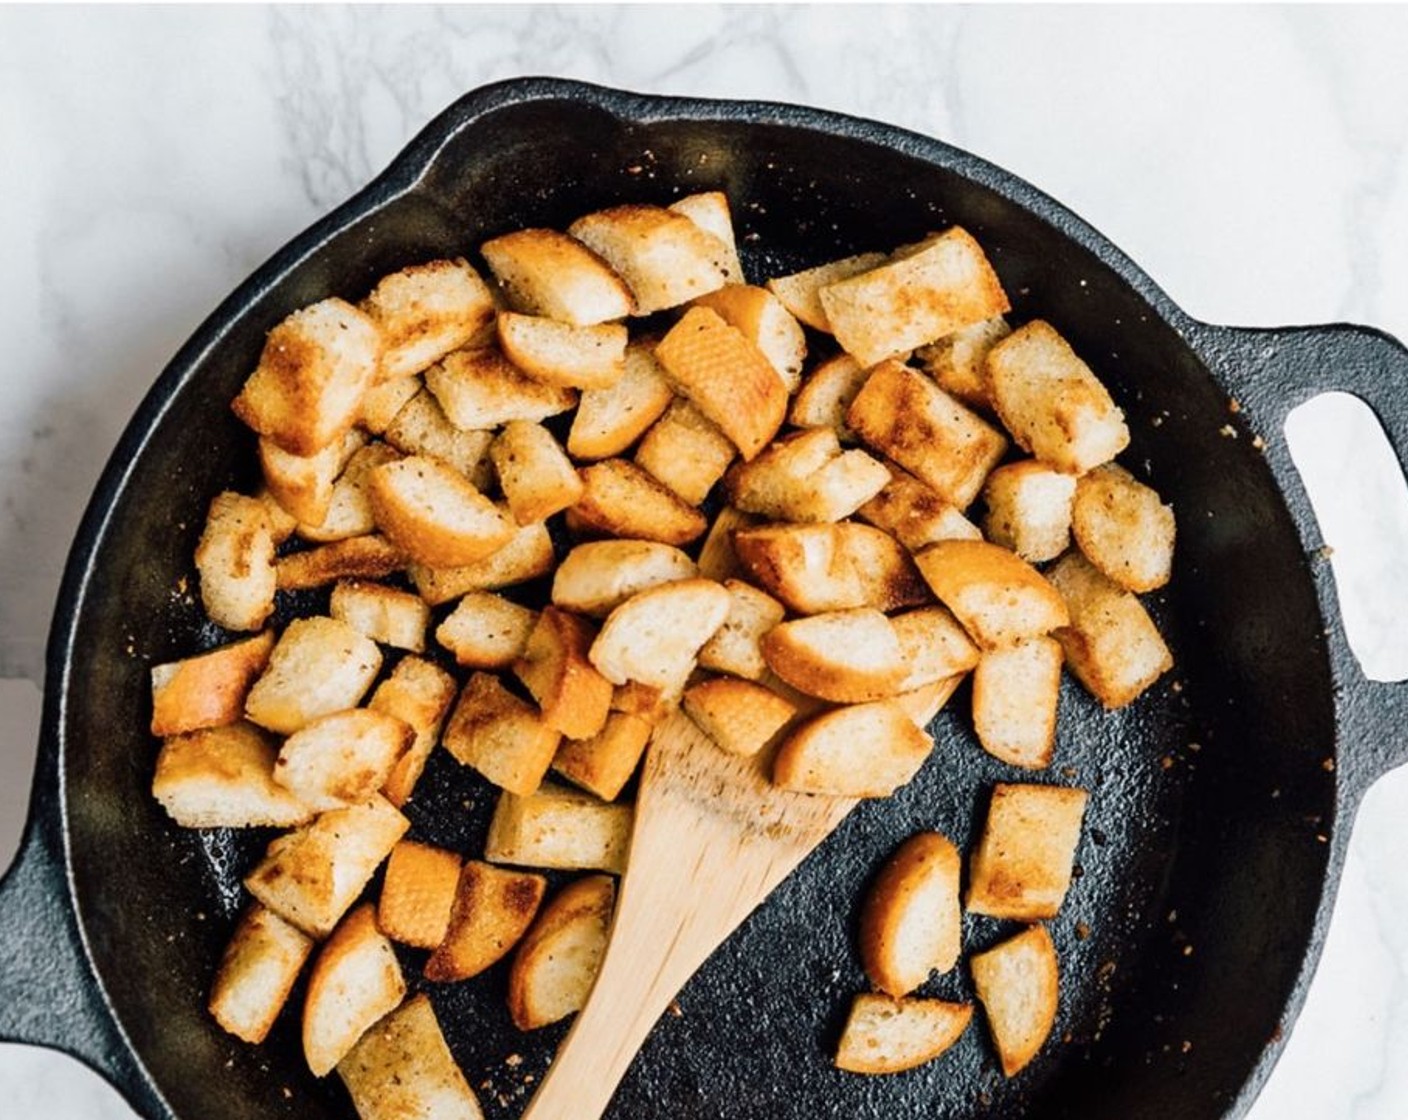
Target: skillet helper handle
1270, 373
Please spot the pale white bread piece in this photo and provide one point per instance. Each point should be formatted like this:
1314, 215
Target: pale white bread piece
1029, 509
435, 514
350, 511
921, 293
800, 292
383, 402
500, 735
598, 576
620, 499
915, 514
726, 377
319, 665
402, 1068
562, 829
427, 310
480, 388
654, 637
740, 716
608, 421
686, 452
1052, 402
311, 876
235, 562
486, 631
1111, 644
493, 908
710, 211
545, 272
826, 395
885, 1035
260, 964
922, 704
997, 596
958, 361
911, 921
419, 693
223, 777
207, 689
370, 556
556, 963
1016, 691
717, 558
303, 485
575, 699
766, 323
527, 555
831, 567
556, 353
354, 981
417, 892
807, 478
604, 763
862, 750
1021, 867
306, 391
385, 614
1018, 984
422, 428
933, 436
736, 645
847, 657
1123, 528
935, 646
664, 258
537, 478
342, 758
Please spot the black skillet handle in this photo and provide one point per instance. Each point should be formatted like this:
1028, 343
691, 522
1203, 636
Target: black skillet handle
1269, 373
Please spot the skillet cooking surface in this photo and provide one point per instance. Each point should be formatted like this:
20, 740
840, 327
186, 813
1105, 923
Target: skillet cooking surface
1201, 864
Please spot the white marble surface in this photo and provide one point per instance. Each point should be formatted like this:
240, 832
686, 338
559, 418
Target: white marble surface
1253, 160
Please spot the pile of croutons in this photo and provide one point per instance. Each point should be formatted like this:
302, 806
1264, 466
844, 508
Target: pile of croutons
422, 452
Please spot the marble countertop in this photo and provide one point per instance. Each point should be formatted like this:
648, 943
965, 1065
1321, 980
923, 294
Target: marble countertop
1254, 161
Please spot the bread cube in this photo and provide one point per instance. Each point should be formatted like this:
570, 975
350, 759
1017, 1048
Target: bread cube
717, 559
1029, 509
235, 562
608, 421
654, 637
1016, 690
574, 697
1021, 868
342, 758
427, 310
534, 472
257, 971
544, 272
384, 614
527, 555
366, 557
911, 922
223, 777
847, 657
384, 401
556, 963
598, 576
806, 477
709, 210
422, 428
419, 694
934, 644
766, 323
480, 389
282, 524
350, 512
922, 704
560, 828
493, 908
556, 353
997, 596
1018, 985
958, 361
740, 716
435, 514
832, 567
303, 485
620, 499
603, 763
736, 646
207, 690
686, 452
1123, 528
664, 258
861, 750
885, 1035
826, 396
486, 631
915, 514
800, 292
354, 981
502, 736
318, 666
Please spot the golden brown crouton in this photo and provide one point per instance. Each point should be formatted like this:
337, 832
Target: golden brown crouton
342, 758
417, 893
958, 362
740, 716
709, 210
826, 396
560, 828
383, 402
847, 656
832, 567
604, 763
557, 961
915, 514
1018, 985
366, 557
686, 452
354, 981
384, 614
207, 690
319, 665
1029, 509
574, 697
911, 922
885, 1035
486, 631
717, 559
427, 310
997, 596
861, 750
664, 258
435, 514
935, 646
419, 693
527, 555
558, 353
800, 292
534, 472
500, 735
608, 421
223, 777
480, 389
493, 908
235, 561
597, 577
655, 636
622, 500
257, 972
766, 323
349, 511
303, 485
544, 272
806, 477
1123, 528
1016, 690
1022, 866
736, 645
422, 428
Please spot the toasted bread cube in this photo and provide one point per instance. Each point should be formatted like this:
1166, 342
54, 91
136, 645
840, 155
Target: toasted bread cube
654, 637
422, 428
1052, 403
1029, 509
1123, 528
1022, 866
493, 908
686, 452
480, 389
941, 442
402, 1067
931, 289
307, 389
561, 829
664, 258
740, 716
544, 272
922, 704
800, 292
807, 477
608, 421
384, 614
366, 557
257, 972
826, 395
736, 645
911, 922
1018, 985
419, 693
597, 577
914, 513
556, 963
862, 750
709, 210
934, 644
342, 758
427, 310
604, 763
383, 402
435, 513
958, 362
318, 665
486, 631
303, 485
537, 478
282, 524
207, 690
350, 511
622, 500
502, 736
527, 555
1111, 644
766, 323
1016, 690
574, 697
235, 561
832, 567
997, 596
558, 353
717, 559
312, 875
884, 1035
223, 777
847, 657
354, 981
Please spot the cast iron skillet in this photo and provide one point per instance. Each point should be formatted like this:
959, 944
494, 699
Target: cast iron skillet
1221, 801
